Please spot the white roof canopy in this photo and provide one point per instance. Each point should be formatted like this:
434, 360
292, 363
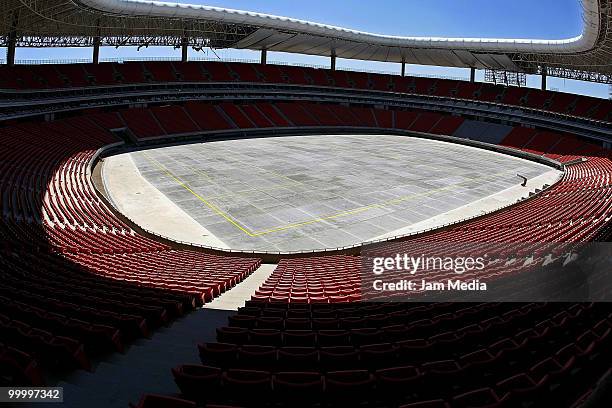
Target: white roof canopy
141, 22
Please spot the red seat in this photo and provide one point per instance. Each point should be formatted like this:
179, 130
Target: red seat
298, 358
267, 337
347, 386
299, 338
198, 383
338, 357
333, 338
394, 384
298, 388
481, 398
375, 356
233, 335
218, 354
247, 385
257, 357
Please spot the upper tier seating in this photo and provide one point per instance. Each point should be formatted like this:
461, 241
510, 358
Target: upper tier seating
161, 71
195, 116
207, 117
80, 75
142, 123
174, 119
237, 116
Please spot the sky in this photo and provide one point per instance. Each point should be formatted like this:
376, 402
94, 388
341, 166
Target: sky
542, 19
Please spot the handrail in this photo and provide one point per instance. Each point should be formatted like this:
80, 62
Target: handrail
119, 60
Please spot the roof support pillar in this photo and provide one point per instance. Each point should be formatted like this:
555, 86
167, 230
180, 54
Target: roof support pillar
472, 74
96, 45
12, 42
96, 50
403, 66
543, 78
264, 56
333, 61
184, 47
10, 52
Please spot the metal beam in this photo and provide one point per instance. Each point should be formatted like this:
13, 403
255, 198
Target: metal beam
264, 56
184, 48
97, 41
403, 66
12, 41
333, 61
543, 78
10, 52
589, 76
472, 74
96, 50
508, 78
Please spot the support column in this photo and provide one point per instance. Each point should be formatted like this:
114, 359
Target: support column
10, 52
184, 47
96, 50
333, 61
472, 75
264, 56
543, 78
12, 43
403, 67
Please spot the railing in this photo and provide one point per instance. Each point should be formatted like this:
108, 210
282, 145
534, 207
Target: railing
224, 59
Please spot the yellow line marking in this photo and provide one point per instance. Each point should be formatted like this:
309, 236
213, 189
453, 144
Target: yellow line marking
357, 210
396, 200
201, 173
254, 189
199, 197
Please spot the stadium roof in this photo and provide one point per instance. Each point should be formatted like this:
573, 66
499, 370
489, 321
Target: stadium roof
147, 23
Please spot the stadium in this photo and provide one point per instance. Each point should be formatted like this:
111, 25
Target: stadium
218, 233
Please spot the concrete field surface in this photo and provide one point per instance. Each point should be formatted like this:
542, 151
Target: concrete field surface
313, 192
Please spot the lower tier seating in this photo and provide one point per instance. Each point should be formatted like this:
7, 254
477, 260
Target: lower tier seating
307, 338
78, 280
394, 354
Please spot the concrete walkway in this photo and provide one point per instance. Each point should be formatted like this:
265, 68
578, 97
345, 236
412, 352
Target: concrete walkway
128, 191
144, 368
235, 298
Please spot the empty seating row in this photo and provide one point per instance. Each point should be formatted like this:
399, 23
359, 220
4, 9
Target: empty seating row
578, 208
549, 353
76, 280
196, 116
80, 75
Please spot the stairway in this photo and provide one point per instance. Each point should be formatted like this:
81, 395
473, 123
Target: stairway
145, 367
